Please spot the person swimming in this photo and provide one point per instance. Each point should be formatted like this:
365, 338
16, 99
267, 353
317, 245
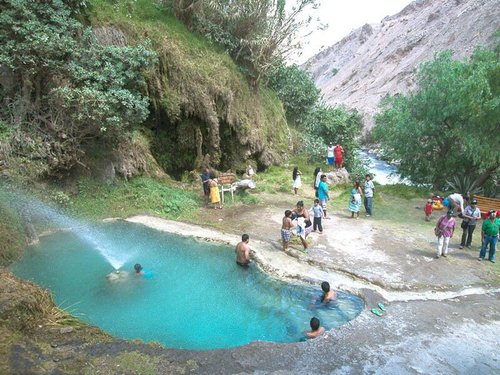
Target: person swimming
140, 271
328, 295
316, 329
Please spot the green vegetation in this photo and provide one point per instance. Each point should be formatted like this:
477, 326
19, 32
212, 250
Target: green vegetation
12, 237
296, 90
449, 125
256, 34
65, 87
203, 112
139, 195
326, 124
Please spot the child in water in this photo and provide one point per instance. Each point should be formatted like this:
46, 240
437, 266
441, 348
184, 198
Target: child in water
316, 329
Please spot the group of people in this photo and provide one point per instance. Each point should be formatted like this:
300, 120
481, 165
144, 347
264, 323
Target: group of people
319, 209
471, 214
243, 251
335, 155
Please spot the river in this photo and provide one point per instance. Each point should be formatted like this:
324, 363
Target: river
383, 173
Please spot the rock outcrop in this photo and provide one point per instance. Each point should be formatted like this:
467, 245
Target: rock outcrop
376, 60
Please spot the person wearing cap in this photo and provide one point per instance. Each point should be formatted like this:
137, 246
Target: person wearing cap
489, 233
471, 215
330, 156
445, 226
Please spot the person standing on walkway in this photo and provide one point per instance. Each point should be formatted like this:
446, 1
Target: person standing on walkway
323, 193
286, 229
330, 156
318, 214
489, 232
470, 217
355, 200
445, 227
317, 177
305, 226
297, 183
205, 178
338, 153
369, 190
214, 193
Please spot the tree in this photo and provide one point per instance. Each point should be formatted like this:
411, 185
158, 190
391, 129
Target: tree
449, 125
256, 33
326, 124
72, 87
296, 90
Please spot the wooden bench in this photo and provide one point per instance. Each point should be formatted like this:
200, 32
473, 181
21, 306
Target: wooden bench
485, 204
227, 184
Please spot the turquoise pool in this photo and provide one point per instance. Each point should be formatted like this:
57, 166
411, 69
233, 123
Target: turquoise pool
197, 297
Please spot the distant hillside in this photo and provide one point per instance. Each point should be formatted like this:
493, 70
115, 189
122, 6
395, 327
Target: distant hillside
381, 59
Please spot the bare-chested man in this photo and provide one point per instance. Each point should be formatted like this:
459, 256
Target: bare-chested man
286, 227
243, 251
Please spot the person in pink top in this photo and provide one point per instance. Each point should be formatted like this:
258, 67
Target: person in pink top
445, 227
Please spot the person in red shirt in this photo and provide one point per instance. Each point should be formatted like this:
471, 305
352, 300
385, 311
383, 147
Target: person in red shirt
338, 151
428, 210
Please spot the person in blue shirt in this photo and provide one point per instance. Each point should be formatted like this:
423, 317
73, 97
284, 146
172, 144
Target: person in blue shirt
323, 193
318, 214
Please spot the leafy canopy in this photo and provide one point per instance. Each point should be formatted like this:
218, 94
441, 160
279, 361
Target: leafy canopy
295, 88
449, 125
256, 33
325, 124
65, 87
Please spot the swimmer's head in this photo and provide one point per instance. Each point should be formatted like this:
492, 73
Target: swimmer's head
288, 213
314, 324
137, 268
245, 237
325, 286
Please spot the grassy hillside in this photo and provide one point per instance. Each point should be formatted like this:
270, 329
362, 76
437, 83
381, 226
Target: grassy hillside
201, 105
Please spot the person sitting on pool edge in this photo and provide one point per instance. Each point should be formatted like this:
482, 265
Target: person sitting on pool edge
328, 294
316, 329
243, 251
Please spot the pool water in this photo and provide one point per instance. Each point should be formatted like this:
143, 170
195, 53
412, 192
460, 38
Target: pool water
196, 298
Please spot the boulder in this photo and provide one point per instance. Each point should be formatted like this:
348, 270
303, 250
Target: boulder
339, 176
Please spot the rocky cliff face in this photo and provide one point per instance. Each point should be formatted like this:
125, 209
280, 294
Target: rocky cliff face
381, 59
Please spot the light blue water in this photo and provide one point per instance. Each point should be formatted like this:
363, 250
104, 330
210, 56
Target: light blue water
383, 172
198, 298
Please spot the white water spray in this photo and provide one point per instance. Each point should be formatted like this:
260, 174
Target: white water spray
97, 239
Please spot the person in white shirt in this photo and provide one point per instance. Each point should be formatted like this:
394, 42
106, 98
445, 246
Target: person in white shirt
330, 156
369, 190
